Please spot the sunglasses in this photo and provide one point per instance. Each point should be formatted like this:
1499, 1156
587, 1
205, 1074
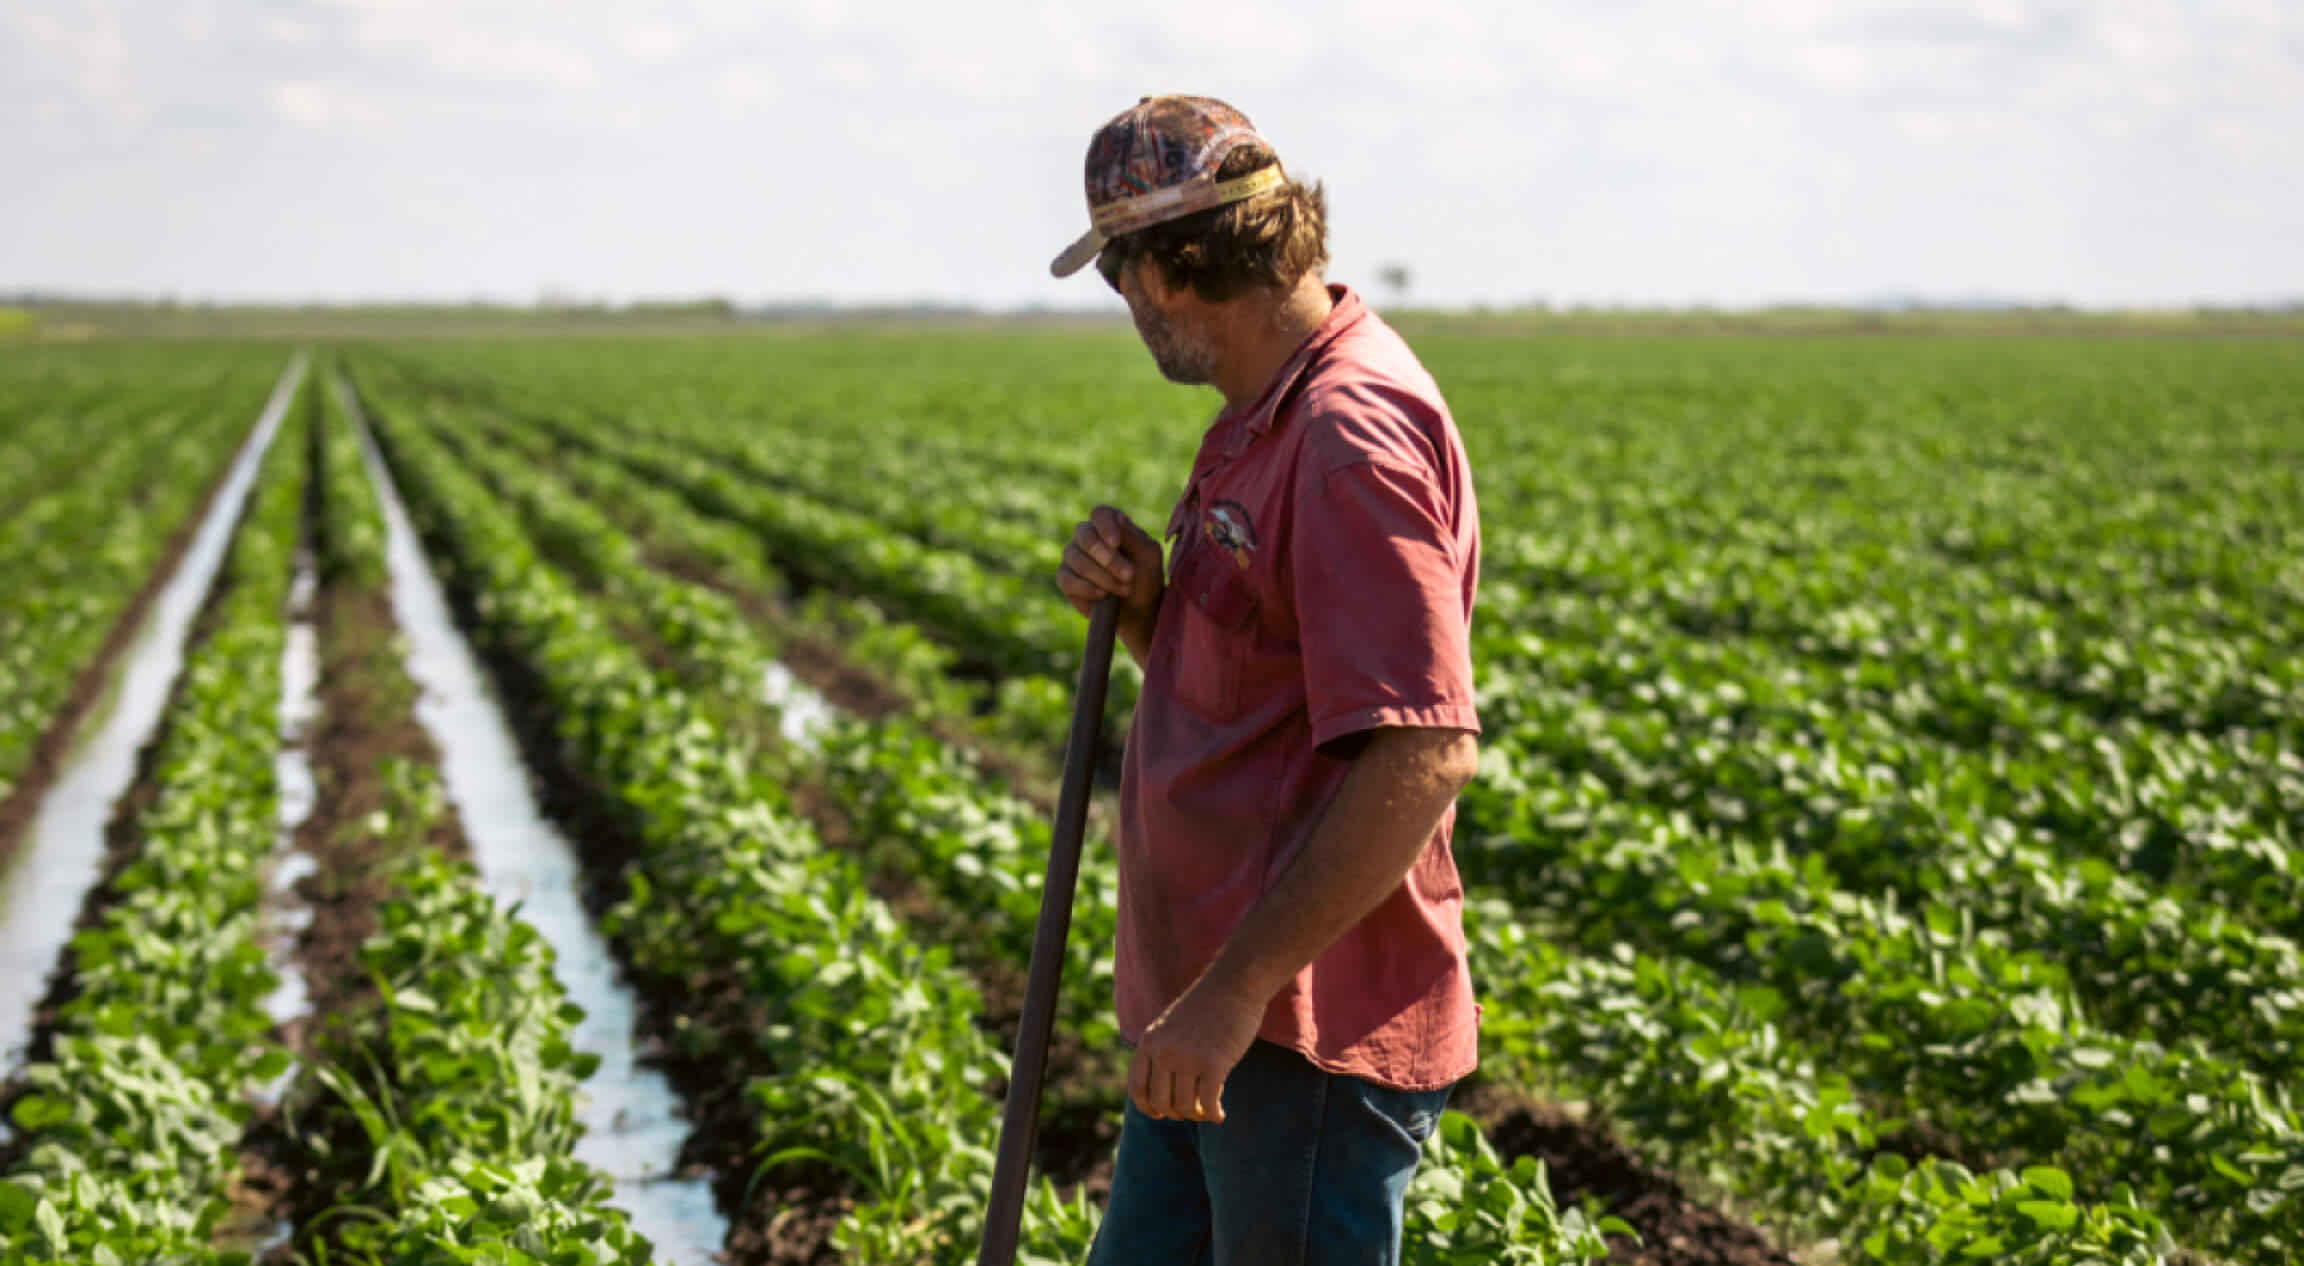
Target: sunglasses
1109, 262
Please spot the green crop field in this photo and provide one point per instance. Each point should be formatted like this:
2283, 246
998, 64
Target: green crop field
1888, 846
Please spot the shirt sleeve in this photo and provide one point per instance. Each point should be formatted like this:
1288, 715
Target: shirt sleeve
1379, 595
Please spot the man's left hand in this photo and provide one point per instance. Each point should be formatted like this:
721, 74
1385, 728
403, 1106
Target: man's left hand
1180, 1065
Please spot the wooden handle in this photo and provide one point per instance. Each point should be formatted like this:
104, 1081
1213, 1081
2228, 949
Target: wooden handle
1028, 1070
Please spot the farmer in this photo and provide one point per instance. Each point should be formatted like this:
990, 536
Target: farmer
1290, 966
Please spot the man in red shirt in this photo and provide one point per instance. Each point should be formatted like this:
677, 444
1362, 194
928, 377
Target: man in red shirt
1290, 966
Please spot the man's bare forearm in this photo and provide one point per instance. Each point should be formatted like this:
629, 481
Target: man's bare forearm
1379, 823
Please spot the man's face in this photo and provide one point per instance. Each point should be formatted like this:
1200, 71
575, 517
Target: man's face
1182, 341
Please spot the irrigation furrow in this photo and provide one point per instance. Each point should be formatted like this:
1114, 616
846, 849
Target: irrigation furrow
64, 843
155, 1024
633, 1120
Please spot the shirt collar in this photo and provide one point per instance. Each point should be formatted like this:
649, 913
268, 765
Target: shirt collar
1260, 415
1229, 433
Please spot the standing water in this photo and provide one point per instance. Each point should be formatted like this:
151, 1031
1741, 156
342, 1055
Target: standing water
802, 714
286, 915
63, 853
632, 1131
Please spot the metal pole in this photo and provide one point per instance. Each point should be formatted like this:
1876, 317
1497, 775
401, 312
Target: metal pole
1028, 1070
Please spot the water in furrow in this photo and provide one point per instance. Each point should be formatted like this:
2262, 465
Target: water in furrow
633, 1127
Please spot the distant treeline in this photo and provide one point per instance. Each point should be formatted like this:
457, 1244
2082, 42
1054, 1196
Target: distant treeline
63, 317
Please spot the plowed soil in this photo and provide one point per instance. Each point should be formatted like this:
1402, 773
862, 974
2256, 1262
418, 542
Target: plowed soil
366, 717
1585, 1161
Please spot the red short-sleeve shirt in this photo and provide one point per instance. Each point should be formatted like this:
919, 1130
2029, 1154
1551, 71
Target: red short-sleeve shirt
1321, 579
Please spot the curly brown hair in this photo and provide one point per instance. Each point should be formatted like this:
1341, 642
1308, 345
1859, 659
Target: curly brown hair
1267, 242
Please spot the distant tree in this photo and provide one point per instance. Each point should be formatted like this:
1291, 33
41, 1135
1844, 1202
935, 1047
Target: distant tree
1395, 278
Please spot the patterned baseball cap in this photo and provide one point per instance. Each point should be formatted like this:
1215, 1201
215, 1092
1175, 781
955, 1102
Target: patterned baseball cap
1157, 161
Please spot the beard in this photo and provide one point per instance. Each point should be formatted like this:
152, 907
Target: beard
1183, 354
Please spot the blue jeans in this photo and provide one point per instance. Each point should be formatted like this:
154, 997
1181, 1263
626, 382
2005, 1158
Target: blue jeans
1308, 1169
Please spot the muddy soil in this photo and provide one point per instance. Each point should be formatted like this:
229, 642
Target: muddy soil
1585, 1161
366, 716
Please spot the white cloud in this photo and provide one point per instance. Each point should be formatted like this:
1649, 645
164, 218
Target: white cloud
655, 42
91, 45
487, 55
319, 106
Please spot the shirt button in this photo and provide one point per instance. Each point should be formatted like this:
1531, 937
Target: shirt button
1203, 595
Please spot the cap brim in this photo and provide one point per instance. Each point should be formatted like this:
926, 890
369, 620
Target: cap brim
1078, 254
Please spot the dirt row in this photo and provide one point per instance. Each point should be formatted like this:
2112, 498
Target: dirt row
366, 717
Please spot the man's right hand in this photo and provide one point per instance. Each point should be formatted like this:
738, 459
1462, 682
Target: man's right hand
1110, 555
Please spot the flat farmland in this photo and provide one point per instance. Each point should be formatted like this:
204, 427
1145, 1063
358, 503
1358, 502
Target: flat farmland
1888, 846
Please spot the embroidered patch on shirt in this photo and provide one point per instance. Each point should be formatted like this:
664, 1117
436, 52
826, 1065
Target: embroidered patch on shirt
1229, 529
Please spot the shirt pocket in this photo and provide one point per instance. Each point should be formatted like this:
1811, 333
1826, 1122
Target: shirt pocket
1219, 630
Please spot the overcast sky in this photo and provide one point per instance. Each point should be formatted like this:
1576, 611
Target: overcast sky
2116, 152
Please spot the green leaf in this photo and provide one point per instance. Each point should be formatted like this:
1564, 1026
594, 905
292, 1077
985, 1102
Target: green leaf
16, 1206
2169, 1120
2050, 1214
2049, 1181
35, 1113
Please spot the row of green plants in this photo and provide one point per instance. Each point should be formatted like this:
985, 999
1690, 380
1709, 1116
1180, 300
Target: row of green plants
902, 787
2233, 975
442, 1108
56, 414
1932, 508
1922, 1012
2125, 477
130, 1132
1029, 713
1704, 1083
2212, 813
997, 619
878, 1066
1990, 655
446, 1107
2233, 978
93, 515
2155, 889
980, 853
